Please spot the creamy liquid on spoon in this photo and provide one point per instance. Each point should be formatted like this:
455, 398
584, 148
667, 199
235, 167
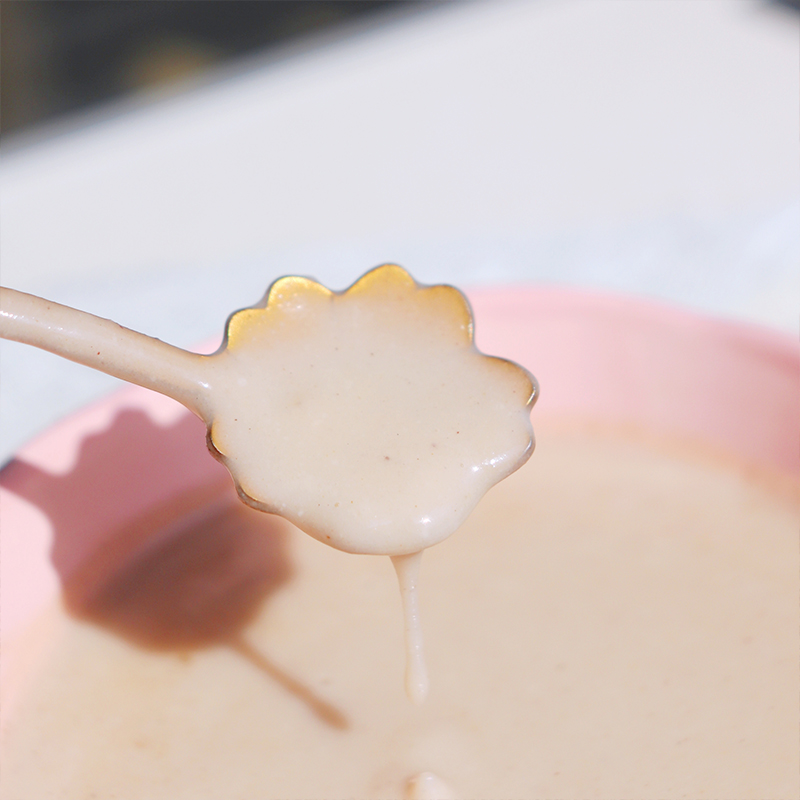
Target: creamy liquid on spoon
367, 418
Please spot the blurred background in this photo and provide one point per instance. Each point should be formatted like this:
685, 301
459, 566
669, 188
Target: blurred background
60, 56
162, 162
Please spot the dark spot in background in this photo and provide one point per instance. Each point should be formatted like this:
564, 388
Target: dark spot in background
60, 56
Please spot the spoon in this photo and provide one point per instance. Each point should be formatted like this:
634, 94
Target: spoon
367, 417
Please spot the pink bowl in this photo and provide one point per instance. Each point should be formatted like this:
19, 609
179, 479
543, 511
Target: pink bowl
728, 386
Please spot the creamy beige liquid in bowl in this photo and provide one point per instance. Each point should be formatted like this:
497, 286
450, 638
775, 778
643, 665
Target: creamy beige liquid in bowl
618, 618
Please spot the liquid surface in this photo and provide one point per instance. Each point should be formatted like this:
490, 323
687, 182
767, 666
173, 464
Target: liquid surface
611, 621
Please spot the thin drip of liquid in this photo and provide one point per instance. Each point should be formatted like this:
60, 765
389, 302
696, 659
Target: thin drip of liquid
408, 568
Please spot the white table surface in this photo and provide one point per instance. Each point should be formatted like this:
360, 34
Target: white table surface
643, 147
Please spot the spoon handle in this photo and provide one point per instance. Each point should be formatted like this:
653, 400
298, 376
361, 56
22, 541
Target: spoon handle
105, 346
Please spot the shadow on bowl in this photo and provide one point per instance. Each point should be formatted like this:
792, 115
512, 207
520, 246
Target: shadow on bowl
188, 571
